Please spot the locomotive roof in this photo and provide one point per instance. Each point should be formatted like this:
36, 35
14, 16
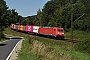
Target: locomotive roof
47, 27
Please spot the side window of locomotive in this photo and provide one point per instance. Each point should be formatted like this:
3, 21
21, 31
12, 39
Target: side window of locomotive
54, 29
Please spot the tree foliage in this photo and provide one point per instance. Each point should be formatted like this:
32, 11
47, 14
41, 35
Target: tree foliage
7, 17
38, 19
58, 13
3, 12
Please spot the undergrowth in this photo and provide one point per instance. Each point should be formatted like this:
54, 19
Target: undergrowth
25, 53
78, 35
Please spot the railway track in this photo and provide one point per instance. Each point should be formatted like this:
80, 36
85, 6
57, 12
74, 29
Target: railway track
70, 40
66, 40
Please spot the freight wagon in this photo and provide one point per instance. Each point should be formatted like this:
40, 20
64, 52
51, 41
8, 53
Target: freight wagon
29, 29
12, 26
36, 29
16, 27
21, 28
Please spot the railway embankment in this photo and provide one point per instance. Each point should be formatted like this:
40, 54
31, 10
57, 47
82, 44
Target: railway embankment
37, 48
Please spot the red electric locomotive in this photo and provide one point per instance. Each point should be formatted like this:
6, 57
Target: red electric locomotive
52, 31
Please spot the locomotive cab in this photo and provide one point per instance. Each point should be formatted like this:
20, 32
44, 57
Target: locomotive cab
59, 33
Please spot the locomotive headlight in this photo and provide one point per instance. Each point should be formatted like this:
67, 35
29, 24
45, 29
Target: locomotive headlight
62, 33
58, 32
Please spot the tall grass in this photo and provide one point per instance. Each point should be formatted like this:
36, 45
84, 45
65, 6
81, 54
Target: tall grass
50, 50
15, 33
44, 52
25, 53
55, 51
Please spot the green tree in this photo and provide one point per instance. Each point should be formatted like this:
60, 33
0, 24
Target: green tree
3, 21
6, 17
29, 20
20, 19
11, 16
47, 12
38, 18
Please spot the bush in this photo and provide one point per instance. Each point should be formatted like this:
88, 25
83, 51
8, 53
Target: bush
1, 34
83, 46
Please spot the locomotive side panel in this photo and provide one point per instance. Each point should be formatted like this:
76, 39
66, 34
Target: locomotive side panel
46, 31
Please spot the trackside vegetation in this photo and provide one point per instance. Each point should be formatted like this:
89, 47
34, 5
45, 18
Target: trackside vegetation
26, 53
83, 37
41, 48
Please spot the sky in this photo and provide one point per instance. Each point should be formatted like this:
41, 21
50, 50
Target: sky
26, 7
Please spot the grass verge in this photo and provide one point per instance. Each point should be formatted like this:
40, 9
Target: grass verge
1, 40
25, 53
59, 49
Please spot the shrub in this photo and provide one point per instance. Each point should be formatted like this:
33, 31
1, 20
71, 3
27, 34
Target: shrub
1, 34
83, 46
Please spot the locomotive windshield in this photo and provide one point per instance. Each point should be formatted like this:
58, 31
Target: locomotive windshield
60, 30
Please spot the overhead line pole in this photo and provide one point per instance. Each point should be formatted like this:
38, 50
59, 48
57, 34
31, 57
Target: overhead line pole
72, 23
72, 26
